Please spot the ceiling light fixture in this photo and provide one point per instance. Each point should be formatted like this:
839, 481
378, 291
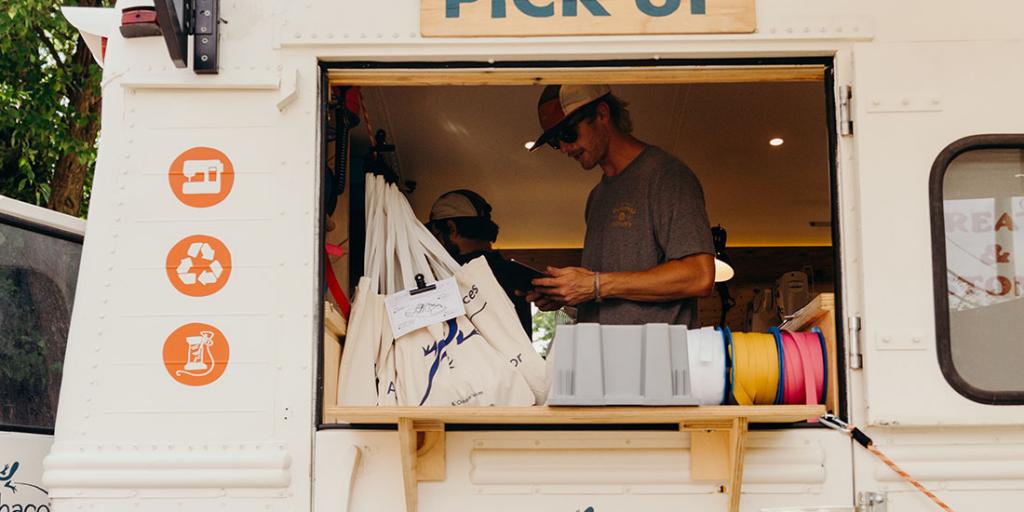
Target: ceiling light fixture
776, 141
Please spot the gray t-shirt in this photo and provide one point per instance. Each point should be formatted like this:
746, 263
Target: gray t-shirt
650, 213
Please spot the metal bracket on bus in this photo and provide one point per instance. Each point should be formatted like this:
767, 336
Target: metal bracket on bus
871, 502
856, 355
179, 19
845, 111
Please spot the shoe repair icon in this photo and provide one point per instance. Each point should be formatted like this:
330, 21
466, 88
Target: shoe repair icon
196, 354
201, 177
199, 265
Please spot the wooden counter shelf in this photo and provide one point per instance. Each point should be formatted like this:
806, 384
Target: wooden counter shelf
718, 433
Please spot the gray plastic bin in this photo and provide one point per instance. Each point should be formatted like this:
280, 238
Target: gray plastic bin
621, 365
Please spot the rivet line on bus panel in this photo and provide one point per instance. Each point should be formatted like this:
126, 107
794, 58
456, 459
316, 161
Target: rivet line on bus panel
808, 29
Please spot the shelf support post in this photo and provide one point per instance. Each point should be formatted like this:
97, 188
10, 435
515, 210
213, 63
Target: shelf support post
737, 442
422, 445
716, 453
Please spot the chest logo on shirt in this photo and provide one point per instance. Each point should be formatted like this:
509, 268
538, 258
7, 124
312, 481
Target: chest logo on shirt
622, 215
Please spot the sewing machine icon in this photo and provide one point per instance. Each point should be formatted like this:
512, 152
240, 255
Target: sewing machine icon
202, 177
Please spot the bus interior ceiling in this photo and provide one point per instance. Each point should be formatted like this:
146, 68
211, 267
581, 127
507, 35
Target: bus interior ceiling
773, 201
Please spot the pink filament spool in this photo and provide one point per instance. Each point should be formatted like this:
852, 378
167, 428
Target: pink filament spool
805, 368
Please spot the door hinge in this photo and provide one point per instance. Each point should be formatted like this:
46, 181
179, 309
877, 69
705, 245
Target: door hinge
845, 111
853, 335
870, 502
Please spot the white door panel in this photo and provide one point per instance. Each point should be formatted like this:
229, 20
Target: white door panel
910, 102
978, 469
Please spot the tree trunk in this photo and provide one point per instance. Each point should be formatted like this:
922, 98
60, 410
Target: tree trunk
67, 186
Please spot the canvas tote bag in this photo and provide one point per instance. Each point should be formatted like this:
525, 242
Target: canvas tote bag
446, 364
492, 313
490, 310
358, 372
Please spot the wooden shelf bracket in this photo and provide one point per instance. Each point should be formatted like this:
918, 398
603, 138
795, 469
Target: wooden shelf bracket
716, 453
422, 445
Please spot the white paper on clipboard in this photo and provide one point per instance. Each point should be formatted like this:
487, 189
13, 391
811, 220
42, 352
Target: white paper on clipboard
408, 312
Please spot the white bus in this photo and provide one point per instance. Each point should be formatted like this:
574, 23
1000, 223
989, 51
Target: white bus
897, 189
39, 254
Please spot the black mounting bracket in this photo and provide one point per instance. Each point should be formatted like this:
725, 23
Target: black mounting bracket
179, 19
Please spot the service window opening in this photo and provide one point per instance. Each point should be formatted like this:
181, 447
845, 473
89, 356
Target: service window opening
759, 148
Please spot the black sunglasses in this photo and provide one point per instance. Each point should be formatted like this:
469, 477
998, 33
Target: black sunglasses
570, 132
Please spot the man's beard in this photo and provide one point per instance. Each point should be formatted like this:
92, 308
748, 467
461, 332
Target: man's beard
450, 246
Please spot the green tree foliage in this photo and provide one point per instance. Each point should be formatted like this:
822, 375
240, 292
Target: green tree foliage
49, 105
543, 330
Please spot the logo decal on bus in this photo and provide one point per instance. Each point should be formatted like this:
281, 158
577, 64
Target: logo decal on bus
199, 265
201, 177
12, 488
196, 354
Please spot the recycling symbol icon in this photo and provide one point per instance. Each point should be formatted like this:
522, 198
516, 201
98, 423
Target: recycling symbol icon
199, 265
187, 267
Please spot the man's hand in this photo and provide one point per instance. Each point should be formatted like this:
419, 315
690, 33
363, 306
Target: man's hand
543, 302
567, 286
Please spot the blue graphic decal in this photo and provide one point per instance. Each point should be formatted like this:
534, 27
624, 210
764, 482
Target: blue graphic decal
7, 474
7, 477
440, 352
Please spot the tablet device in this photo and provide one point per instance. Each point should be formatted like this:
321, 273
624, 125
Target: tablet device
522, 275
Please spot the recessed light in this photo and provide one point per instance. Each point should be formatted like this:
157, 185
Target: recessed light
776, 141
528, 145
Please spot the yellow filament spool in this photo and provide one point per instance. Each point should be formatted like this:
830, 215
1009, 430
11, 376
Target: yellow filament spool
755, 368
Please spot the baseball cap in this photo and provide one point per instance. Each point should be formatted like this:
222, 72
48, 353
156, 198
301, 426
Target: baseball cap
460, 203
558, 102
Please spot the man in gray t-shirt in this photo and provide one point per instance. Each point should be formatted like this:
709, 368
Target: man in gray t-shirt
648, 251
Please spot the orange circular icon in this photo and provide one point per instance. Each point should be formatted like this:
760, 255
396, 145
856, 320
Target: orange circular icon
199, 265
201, 177
196, 354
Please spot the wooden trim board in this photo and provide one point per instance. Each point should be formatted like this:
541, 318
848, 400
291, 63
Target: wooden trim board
543, 415
607, 75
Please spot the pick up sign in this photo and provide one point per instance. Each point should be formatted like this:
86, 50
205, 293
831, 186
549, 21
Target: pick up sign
490, 18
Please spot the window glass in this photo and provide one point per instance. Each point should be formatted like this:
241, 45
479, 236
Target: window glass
38, 273
983, 213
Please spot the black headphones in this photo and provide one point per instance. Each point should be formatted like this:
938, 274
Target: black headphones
479, 204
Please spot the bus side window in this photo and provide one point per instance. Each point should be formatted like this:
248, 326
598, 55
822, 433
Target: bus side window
38, 273
978, 242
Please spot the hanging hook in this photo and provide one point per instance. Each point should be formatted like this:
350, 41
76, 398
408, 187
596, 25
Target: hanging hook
832, 421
